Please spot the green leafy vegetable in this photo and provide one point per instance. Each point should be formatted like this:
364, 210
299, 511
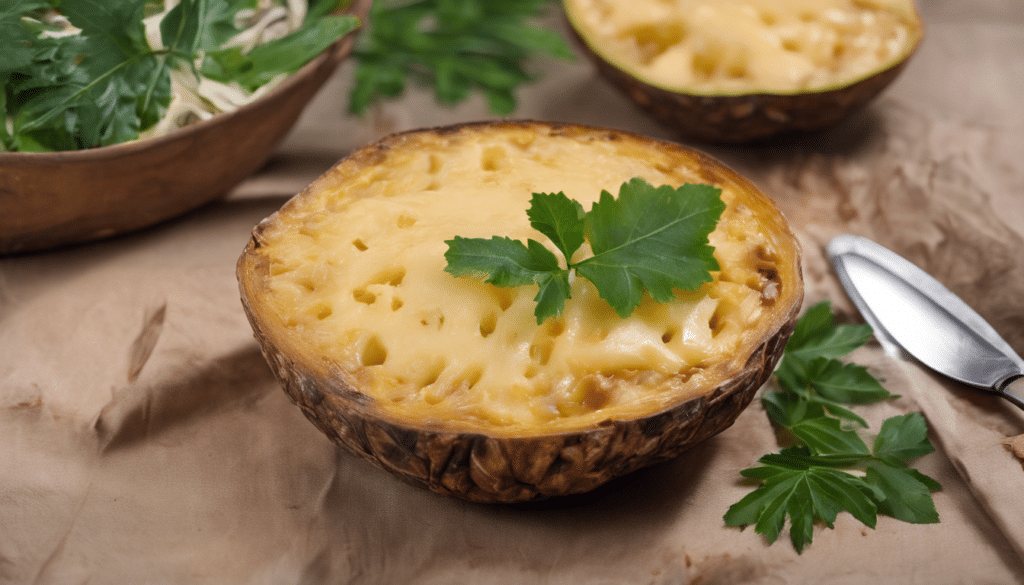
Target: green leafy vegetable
806, 488
817, 335
265, 62
81, 73
833, 469
454, 46
653, 239
649, 238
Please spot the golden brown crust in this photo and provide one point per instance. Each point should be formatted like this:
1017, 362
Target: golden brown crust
493, 467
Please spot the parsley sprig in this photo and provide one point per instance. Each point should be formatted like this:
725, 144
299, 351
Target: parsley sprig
649, 238
454, 46
105, 84
831, 468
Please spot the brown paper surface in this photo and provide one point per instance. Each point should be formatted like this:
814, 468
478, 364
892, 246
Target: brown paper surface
144, 439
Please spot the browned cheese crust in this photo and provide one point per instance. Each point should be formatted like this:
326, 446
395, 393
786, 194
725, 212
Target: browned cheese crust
470, 461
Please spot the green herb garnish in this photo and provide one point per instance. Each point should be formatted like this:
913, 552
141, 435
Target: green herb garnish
650, 238
454, 46
812, 481
82, 73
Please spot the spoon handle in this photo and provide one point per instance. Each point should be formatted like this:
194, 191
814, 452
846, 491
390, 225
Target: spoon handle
1014, 391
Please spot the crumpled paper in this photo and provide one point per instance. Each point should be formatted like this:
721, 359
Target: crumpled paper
150, 442
145, 439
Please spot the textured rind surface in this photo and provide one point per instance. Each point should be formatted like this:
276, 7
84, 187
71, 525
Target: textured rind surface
503, 469
744, 118
488, 469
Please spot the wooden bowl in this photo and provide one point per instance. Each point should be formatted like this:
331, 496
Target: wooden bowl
737, 115
450, 383
53, 199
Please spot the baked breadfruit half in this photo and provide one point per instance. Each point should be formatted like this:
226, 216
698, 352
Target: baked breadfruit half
449, 382
744, 70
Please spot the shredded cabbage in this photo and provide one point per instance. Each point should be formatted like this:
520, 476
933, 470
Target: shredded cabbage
194, 97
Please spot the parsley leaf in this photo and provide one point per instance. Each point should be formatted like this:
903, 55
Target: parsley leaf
817, 335
554, 291
805, 487
454, 46
826, 436
653, 239
901, 439
814, 480
842, 382
905, 493
811, 374
507, 262
559, 218
503, 261
650, 238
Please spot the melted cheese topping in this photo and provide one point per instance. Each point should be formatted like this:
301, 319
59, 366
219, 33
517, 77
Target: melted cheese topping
743, 46
357, 275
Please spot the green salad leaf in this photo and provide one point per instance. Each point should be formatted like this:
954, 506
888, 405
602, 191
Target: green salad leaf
831, 469
650, 239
